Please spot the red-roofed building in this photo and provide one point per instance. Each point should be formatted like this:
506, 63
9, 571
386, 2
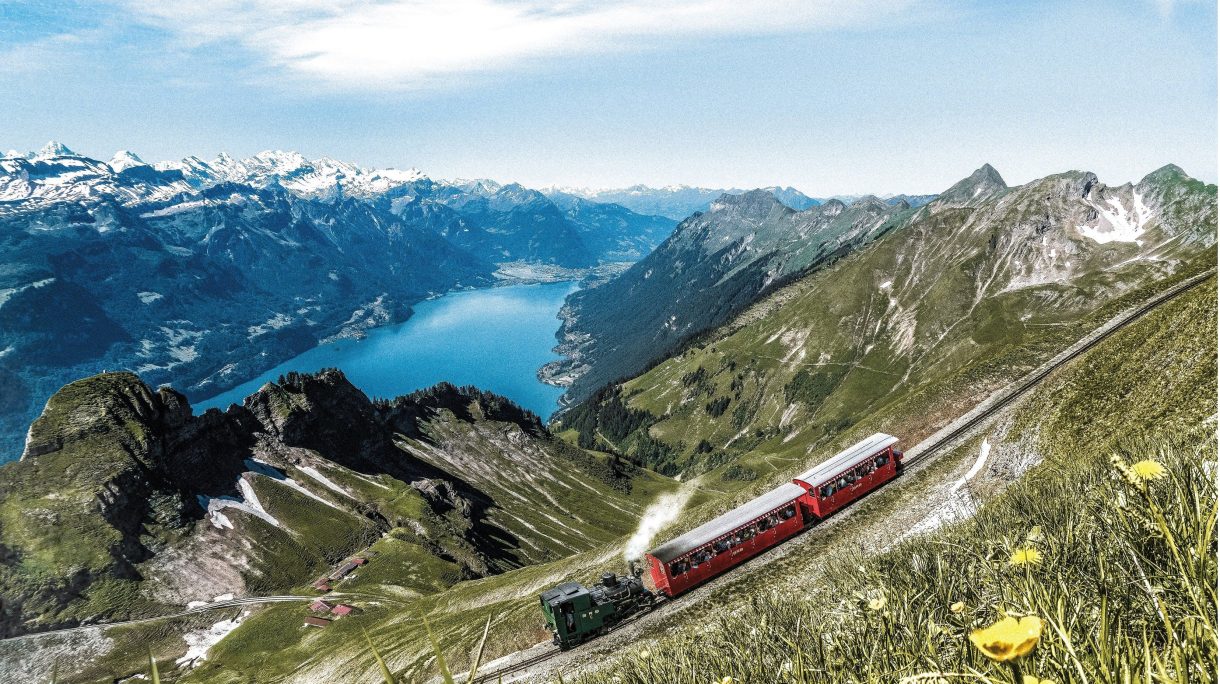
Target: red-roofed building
312, 621
342, 609
320, 606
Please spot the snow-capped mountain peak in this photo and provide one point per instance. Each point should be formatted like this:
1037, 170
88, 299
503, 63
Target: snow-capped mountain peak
125, 159
54, 149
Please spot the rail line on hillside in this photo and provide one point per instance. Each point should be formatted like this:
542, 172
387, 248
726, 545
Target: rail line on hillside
547, 655
960, 427
938, 441
1002, 399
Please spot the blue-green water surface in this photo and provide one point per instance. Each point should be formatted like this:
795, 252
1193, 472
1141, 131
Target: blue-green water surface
494, 338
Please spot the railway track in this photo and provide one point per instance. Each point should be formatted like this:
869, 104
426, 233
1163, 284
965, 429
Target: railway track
937, 442
956, 430
962, 426
547, 655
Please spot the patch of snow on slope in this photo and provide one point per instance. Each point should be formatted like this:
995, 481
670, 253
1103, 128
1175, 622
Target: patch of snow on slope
200, 641
886, 285
1115, 223
148, 297
248, 503
326, 481
267, 470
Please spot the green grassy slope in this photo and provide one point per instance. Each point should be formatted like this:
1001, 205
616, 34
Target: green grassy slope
1126, 582
114, 513
905, 335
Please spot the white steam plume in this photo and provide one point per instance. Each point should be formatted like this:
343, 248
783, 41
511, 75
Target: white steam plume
659, 513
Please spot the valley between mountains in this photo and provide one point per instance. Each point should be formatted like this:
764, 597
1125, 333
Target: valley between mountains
759, 336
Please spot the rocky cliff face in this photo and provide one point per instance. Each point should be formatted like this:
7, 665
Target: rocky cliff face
125, 503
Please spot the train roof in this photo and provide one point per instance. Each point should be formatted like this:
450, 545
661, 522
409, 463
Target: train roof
843, 460
567, 590
722, 525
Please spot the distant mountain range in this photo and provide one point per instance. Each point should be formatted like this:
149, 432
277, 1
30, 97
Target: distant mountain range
679, 201
204, 273
718, 262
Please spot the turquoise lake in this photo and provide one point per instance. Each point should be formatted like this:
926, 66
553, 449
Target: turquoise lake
494, 338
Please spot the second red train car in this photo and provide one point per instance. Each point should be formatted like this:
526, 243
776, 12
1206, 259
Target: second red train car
744, 532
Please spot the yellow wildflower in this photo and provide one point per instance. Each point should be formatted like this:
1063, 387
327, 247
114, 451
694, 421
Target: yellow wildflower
1009, 638
1146, 471
1030, 679
958, 607
1026, 556
645, 654
877, 604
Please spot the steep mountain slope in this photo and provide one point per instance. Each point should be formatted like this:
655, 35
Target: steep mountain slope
933, 548
712, 266
969, 292
678, 201
1144, 382
125, 504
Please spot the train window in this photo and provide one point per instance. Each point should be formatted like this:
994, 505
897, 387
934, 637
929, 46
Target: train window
788, 512
882, 460
721, 546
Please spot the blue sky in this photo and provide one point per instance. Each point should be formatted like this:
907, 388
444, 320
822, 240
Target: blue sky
830, 97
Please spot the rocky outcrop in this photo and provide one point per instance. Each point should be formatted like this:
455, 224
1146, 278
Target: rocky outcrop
121, 483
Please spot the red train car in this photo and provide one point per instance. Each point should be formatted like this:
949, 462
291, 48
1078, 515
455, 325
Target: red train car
726, 541
770, 519
849, 475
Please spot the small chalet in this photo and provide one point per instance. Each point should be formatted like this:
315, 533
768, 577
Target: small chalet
343, 609
312, 621
320, 606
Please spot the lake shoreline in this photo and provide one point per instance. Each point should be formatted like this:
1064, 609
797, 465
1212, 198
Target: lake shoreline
459, 337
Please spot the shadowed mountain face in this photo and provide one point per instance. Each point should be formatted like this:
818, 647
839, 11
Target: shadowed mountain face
959, 297
204, 274
124, 503
713, 265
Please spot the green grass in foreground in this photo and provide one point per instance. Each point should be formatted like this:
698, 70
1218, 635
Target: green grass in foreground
1125, 587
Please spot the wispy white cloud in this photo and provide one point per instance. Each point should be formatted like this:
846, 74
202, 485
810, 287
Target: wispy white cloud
403, 44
